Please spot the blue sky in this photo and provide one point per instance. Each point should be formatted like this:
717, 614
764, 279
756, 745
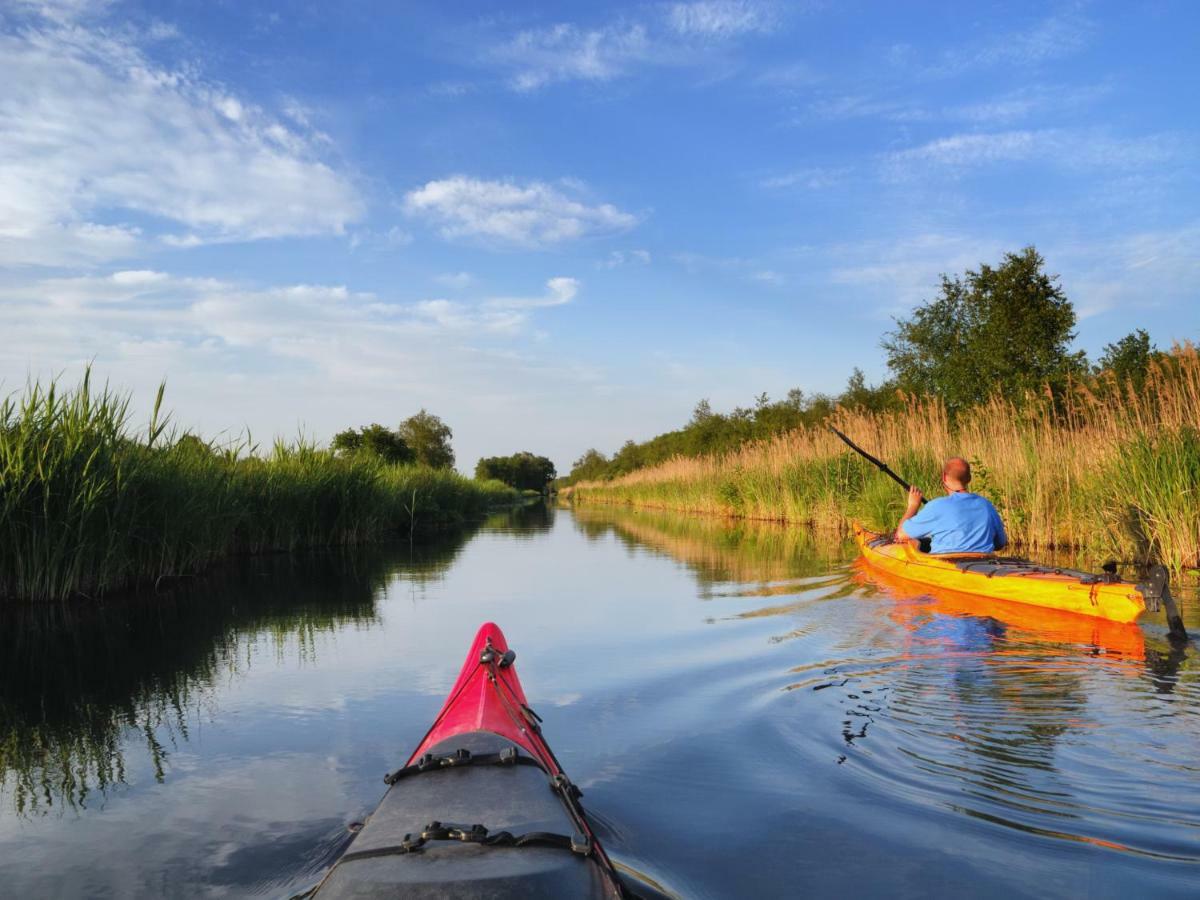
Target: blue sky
559, 226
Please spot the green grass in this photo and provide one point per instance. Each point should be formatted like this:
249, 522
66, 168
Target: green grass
88, 505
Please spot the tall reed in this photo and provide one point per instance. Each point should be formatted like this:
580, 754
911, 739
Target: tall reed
1111, 470
88, 504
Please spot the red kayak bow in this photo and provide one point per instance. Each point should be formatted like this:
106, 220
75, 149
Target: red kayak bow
488, 697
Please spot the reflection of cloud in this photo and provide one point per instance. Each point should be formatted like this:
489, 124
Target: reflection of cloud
534, 214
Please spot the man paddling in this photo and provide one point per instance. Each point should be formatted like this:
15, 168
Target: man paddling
960, 522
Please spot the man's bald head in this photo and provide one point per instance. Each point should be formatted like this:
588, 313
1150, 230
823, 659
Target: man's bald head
957, 472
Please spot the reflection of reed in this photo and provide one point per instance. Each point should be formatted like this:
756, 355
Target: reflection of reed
74, 683
719, 550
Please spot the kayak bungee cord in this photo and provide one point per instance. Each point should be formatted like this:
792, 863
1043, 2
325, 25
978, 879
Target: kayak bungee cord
568, 792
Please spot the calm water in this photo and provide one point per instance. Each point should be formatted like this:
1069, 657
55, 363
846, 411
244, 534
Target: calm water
747, 714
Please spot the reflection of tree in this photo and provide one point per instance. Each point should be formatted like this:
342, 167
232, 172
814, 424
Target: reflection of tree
74, 681
523, 521
716, 550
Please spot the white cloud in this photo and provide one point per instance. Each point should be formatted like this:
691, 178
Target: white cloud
566, 52
1063, 147
813, 178
684, 34
559, 292
768, 277
318, 355
619, 258
531, 215
889, 277
1054, 37
722, 18
1051, 38
456, 280
95, 133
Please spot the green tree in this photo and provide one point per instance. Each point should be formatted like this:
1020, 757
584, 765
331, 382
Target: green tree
523, 471
429, 437
1006, 329
1129, 358
374, 440
592, 466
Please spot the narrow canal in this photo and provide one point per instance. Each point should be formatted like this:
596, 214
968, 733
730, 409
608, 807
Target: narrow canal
748, 715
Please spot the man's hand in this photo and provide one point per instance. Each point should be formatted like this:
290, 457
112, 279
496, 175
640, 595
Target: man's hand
914, 502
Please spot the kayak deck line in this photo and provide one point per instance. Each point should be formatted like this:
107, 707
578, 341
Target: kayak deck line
483, 760
1011, 579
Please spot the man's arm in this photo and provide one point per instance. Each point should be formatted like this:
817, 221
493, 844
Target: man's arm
914, 506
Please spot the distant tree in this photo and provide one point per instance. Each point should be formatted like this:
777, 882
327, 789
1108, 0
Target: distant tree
592, 466
1005, 329
523, 471
860, 395
374, 440
193, 445
1129, 358
429, 437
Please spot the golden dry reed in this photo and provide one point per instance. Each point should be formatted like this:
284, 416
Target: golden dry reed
1109, 469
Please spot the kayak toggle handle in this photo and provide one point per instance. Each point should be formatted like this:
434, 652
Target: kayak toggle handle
508, 658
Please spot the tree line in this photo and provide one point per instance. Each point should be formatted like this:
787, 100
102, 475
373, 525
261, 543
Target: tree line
1000, 330
425, 440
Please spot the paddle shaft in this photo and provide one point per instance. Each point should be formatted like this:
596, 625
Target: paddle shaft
878, 463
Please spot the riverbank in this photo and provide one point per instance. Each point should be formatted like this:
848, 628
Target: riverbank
91, 506
1116, 473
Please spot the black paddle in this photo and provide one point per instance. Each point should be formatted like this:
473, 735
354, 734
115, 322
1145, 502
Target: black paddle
882, 466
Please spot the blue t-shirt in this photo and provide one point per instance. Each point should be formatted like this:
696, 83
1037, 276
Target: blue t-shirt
958, 523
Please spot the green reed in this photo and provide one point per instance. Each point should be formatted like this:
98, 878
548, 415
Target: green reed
1105, 470
88, 504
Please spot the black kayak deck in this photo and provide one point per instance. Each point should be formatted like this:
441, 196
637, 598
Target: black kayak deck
513, 798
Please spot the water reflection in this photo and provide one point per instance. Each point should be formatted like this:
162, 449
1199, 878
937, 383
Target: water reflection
748, 713
74, 683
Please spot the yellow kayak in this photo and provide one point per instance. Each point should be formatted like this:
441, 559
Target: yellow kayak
1005, 578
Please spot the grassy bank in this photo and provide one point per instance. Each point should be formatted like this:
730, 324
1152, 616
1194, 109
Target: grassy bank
1116, 472
89, 505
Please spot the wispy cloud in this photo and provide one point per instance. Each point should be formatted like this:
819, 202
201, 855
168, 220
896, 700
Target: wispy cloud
1063, 147
769, 277
813, 178
534, 214
619, 258
1053, 37
684, 34
96, 134
566, 52
723, 18
559, 292
458, 281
